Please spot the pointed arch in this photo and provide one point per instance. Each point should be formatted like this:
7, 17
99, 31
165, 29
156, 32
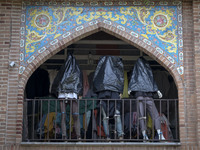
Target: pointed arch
75, 35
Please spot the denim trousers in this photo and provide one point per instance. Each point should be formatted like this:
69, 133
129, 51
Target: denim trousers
146, 104
117, 122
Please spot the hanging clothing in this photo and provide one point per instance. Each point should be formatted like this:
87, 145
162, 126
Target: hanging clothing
125, 91
142, 77
110, 95
68, 85
90, 92
143, 87
85, 83
109, 81
69, 78
49, 106
130, 125
108, 84
67, 95
92, 126
52, 75
86, 107
146, 103
48, 124
109, 74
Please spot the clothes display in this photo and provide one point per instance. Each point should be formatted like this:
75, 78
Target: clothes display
142, 77
109, 74
52, 75
152, 110
85, 83
102, 103
108, 84
90, 92
130, 125
68, 85
50, 124
68, 95
69, 78
125, 91
114, 110
87, 105
143, 86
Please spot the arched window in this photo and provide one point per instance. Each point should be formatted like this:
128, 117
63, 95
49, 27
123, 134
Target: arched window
48, 118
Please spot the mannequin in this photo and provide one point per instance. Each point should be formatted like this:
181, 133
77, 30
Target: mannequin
108, 84
68, 85
142, 86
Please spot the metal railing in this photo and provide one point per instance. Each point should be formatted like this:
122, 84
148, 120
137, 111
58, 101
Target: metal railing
49, 120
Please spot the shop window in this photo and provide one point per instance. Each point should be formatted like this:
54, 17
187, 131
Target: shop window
49, 118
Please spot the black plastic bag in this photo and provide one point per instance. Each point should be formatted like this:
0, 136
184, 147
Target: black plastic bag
109, 74
142, 77
69, 78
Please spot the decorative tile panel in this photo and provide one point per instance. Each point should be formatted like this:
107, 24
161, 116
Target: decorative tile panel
158, 24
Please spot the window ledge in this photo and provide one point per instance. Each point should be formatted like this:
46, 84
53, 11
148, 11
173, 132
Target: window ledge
100, 144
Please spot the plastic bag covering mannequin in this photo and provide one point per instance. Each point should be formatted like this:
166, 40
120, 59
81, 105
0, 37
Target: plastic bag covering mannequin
68, 85
143, 86
108, 84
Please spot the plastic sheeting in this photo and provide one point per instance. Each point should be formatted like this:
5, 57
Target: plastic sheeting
69, 78
142, 77
109, 74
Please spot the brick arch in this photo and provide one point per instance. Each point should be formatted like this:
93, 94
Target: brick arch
86, 31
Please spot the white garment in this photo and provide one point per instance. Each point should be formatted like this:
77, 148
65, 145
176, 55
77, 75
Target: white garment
61, 95
52, 75
67, 95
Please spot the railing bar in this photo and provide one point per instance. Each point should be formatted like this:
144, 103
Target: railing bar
61, 111
92, 118
123, 117
38, 113
56, 110
108, 115
70, 119
168, 110
130, 101
85, 119
130, 140
25, 116
40, 104
41, 119
115, 118
78, 120
138, 124
160, 102
176, 117
48, 121
100, 118
145, 113
33, 119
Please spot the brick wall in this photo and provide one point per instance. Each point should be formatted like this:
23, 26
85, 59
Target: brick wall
4, 55
12, 86
189, 77
196, 16
9, 51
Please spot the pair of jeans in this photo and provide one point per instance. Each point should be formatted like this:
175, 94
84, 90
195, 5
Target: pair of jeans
87, 118
147, 103
75, 115
117, 122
